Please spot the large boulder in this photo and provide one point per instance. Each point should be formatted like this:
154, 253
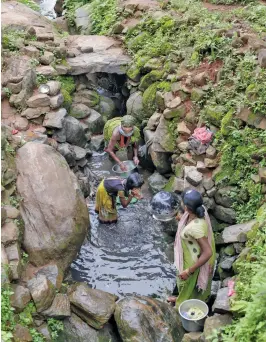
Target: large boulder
236, 232
74, 131
145, 319
135, 106
53, 208
107, 55
95, 307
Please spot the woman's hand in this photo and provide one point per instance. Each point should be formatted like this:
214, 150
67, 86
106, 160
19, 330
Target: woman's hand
122, 167
136, 160
136, 193
184, 275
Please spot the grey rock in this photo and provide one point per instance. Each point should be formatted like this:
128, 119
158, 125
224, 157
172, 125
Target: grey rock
53, 273
227, 215
9, 233
135, 106
47, 58
14, 256
194, 177
74, 132
222, 304
95, 307
215, 287
89, 98
21, 124
208, 203
39, 100
238, 247
79, 111
31, 51
44, 330
106, 107
211, 193
60, 307
211, 152
15, 88
62, 69
54, 87
107, 56
5, 271
86, 49
82, 162
21, 333
60, 136
153, 121
79, 152
262, 58
178, 185
75, 329
215, 323
231, 234
161, 320
56, 101
11, 212
68, 152
20, 297
62, 216
183, 146
42, 292
157, 182
97, 143
32, 113
227, 263
94, 122
223, 198
55, 119
208, 183
82, 19
46, 70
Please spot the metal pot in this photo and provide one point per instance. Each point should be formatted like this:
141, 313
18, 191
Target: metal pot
164, 206
191, 324
131, 167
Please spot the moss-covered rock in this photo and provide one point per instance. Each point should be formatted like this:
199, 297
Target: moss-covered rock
226, 122
214, 115
149, 96
133, 73
197, 94
150, 78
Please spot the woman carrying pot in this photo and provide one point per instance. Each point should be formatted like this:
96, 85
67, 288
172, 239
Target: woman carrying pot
113, 187
194, 250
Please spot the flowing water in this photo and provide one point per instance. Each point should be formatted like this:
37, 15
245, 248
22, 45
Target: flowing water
129, 257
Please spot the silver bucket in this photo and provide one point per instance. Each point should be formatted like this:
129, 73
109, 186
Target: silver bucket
190, 324
131, 167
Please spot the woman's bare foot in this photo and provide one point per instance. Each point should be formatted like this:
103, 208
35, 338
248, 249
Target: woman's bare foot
171, 299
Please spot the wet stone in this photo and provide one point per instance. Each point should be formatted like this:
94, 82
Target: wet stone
95, 307
60, 307
22, 334
52, 273
222, 304
20, 298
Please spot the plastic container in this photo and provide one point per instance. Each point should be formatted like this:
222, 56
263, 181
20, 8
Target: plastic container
124, 174
190, 324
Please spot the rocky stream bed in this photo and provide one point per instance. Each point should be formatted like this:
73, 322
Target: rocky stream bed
76, 280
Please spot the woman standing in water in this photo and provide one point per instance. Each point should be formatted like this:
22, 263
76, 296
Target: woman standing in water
108, 191
194, 250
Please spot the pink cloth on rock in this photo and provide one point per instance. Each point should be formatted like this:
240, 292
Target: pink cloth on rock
203, 135
203, 276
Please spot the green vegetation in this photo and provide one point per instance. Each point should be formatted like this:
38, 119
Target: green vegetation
9, 320
31, 4
249, 305
12, 39
104, 15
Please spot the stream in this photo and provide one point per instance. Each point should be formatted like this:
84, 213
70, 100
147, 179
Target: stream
131, 256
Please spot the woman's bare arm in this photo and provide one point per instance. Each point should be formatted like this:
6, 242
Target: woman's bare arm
205, 255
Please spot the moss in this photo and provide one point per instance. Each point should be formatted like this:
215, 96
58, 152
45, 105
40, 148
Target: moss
226, 122
214, 115
149, 96
164, 86
133, 73
150, 78
170, 185
197, 94
67, 99
179, 170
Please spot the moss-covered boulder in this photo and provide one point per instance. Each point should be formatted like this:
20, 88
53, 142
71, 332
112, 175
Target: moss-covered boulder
149, 96
145, 319
214, 114
53, 209
151, 77
135, 106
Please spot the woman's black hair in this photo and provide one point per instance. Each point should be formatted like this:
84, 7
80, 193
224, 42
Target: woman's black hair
134, 180
193, 200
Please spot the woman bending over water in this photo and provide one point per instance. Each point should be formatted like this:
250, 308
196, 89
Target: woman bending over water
194, 250
108, 191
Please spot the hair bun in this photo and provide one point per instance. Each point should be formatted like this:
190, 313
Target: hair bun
200, 211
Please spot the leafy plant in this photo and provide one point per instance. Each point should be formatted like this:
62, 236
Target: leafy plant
7, 312
31, 4
7, 92
55, 327
12, 38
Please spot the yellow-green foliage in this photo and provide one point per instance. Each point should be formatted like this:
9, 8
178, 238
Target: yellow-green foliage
149, 95
226, 122
67, 88
249, 305
151, 77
